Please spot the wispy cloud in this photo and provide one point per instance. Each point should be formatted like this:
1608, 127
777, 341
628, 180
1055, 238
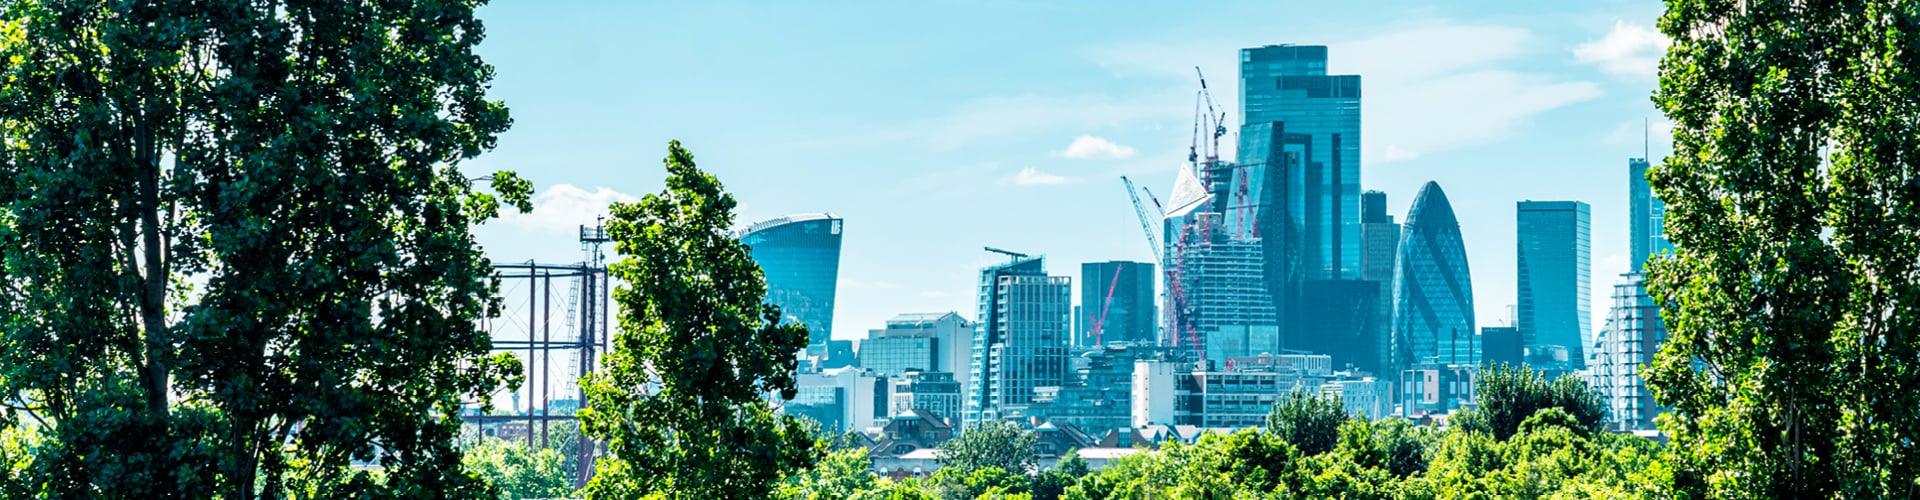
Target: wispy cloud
1033, 177
856, 284
1005, 118
1442, 86
1634, 132
562, 208
1087, 147
1629, 50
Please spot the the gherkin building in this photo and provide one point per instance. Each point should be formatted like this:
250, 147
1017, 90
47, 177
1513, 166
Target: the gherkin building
1433, 293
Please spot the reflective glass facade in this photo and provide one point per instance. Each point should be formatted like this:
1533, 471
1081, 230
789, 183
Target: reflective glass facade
1648, 216
800, 256
889, 356
1433, 292
1380, 245
1289, 84
1555, 261
1021, 339
1117, 303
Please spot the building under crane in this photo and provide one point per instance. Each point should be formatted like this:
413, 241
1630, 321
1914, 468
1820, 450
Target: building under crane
1219, 298
1020, 340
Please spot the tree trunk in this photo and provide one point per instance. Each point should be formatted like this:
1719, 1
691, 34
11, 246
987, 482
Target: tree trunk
153, 313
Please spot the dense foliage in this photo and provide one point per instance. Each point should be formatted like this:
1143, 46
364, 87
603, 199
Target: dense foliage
992, 444
1551, 453
681, 397
1508, 396
517, 471
1793, 300
235, 249
1307, 420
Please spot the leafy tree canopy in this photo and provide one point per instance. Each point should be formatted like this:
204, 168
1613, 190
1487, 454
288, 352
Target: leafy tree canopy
680, 398
1309, 420
1793, 297
235, 257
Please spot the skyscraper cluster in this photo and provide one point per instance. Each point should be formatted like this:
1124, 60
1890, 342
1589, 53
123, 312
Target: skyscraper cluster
1276, 271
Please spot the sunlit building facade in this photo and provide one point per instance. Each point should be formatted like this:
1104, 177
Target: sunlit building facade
1020, 341
1632, 335
1433, 292
1555, 264
1289, 85
800, 256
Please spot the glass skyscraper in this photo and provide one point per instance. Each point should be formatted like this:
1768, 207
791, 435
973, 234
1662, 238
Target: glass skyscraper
1380, 244
1433, 292
800, 256
1648, 216
1555, 261
1289, 85
1116, 303
1020, 341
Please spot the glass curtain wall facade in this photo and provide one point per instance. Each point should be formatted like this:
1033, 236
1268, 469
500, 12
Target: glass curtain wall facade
1117, 303
1021, 339
1380, 240
1648, 216
1555, 263
1433, 291
1289, 84
800, 256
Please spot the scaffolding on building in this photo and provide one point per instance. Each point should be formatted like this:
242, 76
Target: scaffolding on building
527, 330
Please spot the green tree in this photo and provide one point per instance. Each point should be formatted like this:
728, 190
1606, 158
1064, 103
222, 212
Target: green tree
1308, 420
519, 472
680, 397
839, 474
1072, 464
997, 444
1792, 299
1507, 396
235, 255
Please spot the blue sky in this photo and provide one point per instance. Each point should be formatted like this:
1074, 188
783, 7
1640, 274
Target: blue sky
936, 128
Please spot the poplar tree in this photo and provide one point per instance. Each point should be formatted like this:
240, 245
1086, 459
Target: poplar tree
1793, 195
235, 248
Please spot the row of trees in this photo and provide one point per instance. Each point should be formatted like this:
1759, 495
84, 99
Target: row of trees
1311, 448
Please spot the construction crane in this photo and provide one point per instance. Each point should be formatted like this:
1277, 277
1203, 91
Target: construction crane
1009, 253
1099, 325
1146, 225
1213, 116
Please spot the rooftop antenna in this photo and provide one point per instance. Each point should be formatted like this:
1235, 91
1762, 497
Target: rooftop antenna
1646, 140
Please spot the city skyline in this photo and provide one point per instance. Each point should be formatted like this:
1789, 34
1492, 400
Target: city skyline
930, 163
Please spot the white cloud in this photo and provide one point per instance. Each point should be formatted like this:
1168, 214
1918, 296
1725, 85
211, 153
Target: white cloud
1396, 153
1630, 50
1656, 133
1032, 177
1423, 97
1000, 118
1087, 147
1428, 87
563, 208
1022, 116
854, 284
